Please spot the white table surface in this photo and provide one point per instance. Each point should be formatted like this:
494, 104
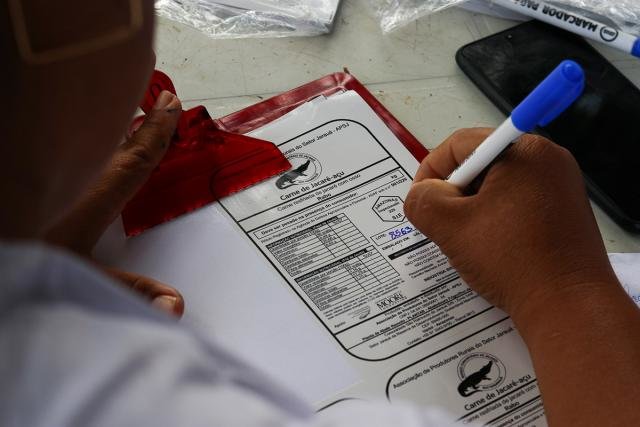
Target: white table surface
411, 71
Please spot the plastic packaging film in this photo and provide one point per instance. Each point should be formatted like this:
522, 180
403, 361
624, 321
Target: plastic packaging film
252, 18
394, 14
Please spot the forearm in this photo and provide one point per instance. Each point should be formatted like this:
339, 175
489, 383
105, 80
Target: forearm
585, 346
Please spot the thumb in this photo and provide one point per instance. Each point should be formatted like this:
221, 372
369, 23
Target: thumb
434, 205
129, 169
136, 158
161, 296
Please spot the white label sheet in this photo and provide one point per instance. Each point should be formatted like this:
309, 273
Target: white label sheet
335, 230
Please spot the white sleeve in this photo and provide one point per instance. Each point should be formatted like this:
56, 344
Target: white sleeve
78, 350
66, 367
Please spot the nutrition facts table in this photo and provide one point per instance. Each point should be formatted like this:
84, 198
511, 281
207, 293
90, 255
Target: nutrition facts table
326, 241
346, 278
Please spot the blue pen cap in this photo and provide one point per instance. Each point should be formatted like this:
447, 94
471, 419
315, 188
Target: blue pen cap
636, 49
551, 98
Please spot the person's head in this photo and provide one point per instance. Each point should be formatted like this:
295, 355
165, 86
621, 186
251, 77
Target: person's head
73, 73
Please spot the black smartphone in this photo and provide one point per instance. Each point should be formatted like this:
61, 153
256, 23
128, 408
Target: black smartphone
601, 130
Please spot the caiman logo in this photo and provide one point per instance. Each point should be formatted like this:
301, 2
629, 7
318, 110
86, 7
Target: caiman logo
306, 168
478, 372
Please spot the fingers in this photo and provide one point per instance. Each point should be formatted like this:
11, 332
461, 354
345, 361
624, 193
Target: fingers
523, 162
137, 157
161, 296
447, 156
129, 169
433, 204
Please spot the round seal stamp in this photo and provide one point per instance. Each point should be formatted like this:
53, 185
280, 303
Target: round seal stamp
306, 168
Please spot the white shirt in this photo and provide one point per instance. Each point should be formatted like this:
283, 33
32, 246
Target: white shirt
77, 349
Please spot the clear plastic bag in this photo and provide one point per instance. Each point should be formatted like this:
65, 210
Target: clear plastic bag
394, 14
252, 18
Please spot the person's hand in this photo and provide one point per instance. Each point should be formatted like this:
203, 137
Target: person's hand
526, 235
129, 169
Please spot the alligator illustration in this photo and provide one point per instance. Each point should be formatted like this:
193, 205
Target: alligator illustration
288, 179
472, 381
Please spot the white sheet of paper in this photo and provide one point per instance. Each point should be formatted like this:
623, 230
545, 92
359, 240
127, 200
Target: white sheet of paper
234, 296
627, 268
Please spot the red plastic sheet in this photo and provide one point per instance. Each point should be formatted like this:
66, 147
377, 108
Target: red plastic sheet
202, 164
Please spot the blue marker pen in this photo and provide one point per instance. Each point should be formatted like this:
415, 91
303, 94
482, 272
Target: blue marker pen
547, 101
